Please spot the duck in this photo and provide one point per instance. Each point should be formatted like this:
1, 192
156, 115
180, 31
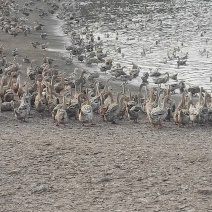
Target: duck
134, 66
81, 80
74, 106
150, 102
35, 44
61, 116
20, 89
43, 35
113, 108
52, 101
159, 113
31, 72
27, 96
193, 110
46, 59
103, 104
26, 60
203, 110
15, 52
142, 97
93, 75
209, 109
179, 85
181, 106
105, 88
38, 26
133, 111
183, 117
194, 90
6, 106
126, 78
2, 88
1, 50
155, 73
134, 72
86, 111
80, 58
173, 76
185, 57
145, 77
95, 101
181, 62
128, 101
118, 71
40, 101
9, 95
170, 103
61, 85
23, 111
161, 80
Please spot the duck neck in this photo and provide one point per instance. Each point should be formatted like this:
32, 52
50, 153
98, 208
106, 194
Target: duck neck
96, 86
79, 98
62, 82
130, 95
140, 89
2, 82
145, 92
191, 97
0, 103
111, 97
200, 95
82, 75
75, 89
106, 85
19, 81
151, 97
183, 100
167, 77
139, 99
39, 89
64, 102
87, 97
10, 82
165, 101
27, 88
158, 100
52, 81
205, 103
49, 89
123, 89
121, 103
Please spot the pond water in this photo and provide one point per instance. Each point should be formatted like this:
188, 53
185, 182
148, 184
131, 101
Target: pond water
147, 33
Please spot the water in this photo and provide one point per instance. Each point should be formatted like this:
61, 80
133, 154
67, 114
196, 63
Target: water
186, 28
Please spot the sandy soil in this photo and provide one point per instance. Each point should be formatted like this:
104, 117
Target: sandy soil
122, 167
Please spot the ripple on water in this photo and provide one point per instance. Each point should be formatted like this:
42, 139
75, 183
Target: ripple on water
182, 28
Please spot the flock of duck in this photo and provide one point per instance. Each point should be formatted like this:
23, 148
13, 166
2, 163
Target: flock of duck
82, 95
